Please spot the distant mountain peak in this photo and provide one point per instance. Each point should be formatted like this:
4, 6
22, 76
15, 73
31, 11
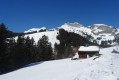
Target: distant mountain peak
99, 24
35, 30
75, 24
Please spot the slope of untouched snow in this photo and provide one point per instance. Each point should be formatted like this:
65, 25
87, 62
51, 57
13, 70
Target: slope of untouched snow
50, 34
106, 67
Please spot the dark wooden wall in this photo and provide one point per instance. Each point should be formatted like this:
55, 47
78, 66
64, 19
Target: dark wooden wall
83, 54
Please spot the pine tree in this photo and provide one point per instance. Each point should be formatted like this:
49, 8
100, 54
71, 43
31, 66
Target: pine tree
45, 50
4, 34
30, 49
22, 54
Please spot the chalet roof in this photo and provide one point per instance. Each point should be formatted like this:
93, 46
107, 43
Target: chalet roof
89, 48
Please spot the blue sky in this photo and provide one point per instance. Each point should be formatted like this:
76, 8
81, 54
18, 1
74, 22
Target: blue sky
20, 15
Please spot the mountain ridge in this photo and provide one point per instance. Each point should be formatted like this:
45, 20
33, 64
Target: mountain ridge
98, 32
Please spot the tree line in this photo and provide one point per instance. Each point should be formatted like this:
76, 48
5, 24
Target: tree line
15, 54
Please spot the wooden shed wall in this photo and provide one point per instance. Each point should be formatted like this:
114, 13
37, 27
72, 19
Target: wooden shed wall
83, 54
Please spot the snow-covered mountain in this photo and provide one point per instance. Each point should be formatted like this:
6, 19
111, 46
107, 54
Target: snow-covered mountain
76, 28
97, 32
102, 28
35, 30
106, 67
103, 32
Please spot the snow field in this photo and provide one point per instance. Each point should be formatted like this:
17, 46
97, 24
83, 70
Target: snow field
106, 67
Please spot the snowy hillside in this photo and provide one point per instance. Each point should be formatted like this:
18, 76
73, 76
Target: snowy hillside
50, 34
106, 67
76, 28
96, 32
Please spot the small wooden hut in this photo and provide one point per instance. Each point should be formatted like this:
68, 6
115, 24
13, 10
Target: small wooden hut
85, 51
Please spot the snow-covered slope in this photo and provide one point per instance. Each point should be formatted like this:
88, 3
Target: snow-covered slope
50, 34
76, 28
106, 67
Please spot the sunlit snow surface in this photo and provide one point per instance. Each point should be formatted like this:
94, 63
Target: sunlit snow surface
52, 36
106, 67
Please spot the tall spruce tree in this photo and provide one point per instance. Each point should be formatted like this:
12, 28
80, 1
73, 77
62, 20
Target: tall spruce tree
45, 49
4, 34
30, 49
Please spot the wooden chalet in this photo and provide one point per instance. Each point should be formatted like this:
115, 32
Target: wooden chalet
85, 51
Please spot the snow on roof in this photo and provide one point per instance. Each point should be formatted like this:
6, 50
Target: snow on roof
88, 48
